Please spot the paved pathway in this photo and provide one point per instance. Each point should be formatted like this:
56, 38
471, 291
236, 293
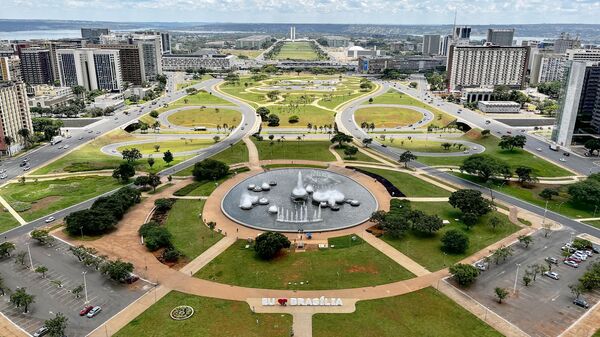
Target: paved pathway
11, 210
395, 255
253, 158
8, 328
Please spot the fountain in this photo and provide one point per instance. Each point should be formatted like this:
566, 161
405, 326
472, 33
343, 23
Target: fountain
299, 193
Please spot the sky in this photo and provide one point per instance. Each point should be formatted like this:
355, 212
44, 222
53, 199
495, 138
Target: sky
309, 11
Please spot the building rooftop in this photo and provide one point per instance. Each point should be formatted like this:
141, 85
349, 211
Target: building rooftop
499, 103
254, 38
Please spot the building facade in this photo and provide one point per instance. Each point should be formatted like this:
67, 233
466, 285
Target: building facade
93, 34
10, 69
500, 37
498, 107
337, 41
47, 96
91, 68
177, 62
431, 44
547, 67
564, 42
252, 42
131, 60
578, 118
36, 67
14, 115
376, 65
475, 66
583, 55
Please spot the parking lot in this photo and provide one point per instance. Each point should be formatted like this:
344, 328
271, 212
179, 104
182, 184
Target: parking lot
545, 307
62, 266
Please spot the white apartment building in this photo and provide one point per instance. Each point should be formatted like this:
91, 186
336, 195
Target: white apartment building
91, 68
475, 66
547, 67
583, 55
14, 115
181, 62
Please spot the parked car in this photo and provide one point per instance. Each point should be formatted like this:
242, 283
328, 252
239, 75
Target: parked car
50, 219
481, 266
539, 149
574, 258
95, 311
581, 302
551, 260
41, 332
26, 168
581, 255
566, 154
571, 263
562, 160
85, 310
3, 176
552, 275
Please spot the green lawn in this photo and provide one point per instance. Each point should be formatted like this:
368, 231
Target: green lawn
359, 156
7, 221
298, 50
212, 318
421, 145
394, 97
306, 114
237, 153
174, 146
423, 313
560, 204
514, 158
294, 149
190, 235
425, 249
201, 98
34, 200
275, 166
201, 188
387, 117
409, 185
351, 264
251, 53
595, 223
90, 158
208, 117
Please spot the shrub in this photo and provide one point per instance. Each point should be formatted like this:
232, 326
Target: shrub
171, 255
464, 274
187, 189
154, 114
268, 244
163, 205
455, 242
155, 236
210, 169
293, 119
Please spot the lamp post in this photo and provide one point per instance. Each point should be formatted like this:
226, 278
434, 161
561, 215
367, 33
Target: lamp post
545, 211
30, 259
85, 287
516, 276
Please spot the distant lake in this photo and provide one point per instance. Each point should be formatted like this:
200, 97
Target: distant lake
40, 34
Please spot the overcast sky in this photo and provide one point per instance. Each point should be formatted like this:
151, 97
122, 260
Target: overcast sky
309, 11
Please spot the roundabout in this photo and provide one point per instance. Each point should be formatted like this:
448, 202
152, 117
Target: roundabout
186, 118
417, 116
299, 200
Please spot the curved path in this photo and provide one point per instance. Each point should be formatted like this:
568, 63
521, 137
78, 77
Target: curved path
112, 149
428, 116
163, 118
473, 148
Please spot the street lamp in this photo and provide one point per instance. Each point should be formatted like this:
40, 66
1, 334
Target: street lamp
545, 211
516, 276
30, 259
85, 287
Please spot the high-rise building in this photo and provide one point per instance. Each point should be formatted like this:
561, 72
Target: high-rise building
564, 42
10, 69
151, 53
53, 46
14, 115
446, 42
132, 70
500, 37
91, 68
36, 67
252, 42
578, 118
93, 34
583, 55
165, 39
431, 44
474, 66
461, 34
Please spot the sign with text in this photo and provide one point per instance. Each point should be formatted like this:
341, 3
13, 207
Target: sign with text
300, 301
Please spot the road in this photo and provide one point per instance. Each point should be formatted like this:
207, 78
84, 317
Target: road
345, 121
248, 125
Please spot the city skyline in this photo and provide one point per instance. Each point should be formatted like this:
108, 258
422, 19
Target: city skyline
314, 11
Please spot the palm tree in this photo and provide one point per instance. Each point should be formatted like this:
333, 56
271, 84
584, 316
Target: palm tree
25, 134
8, 141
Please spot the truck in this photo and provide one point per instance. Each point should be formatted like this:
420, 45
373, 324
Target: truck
56, 140
554, 147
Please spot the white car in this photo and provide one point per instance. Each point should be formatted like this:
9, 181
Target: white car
552, 275
66, 146
50, 219
539, 149
3, 176
563, 160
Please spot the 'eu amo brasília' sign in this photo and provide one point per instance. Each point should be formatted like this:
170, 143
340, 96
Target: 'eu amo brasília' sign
299, 301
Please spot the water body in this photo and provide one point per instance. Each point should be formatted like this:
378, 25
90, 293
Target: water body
40, 34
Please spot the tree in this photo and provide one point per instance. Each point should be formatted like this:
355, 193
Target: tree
141, 181
210, 169
470, 219
593, 145
446, 146
273, 120
350, 151
585, 192
163, 204
8, 140
548, 193
268, 244
526, 240
117, 270
216, 139
263, 112
526, 279
485, 133
501, 293
464, 274
156, 147
406, 157
341, 138
20, 298
77, 290
494, 222
576, 289
535, 269
124, 172
150, 162
581, 244
510, 142
367, 141
455, 242
153, 180
525, 175
20, 258
425, 223
41, 270
6, 248
168, 157
470, 201
370, 100
41, 235
26, 135
57, 325
131, 155
485, 166
551, 89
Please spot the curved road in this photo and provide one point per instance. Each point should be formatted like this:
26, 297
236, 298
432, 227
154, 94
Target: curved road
163, 118
427, 115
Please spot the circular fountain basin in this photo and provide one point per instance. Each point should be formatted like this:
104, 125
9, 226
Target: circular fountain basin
340, 201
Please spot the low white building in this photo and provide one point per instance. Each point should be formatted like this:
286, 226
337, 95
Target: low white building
498, 107
115, 101
47, 96
181, 62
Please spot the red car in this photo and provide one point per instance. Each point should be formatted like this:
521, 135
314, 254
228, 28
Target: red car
85, 310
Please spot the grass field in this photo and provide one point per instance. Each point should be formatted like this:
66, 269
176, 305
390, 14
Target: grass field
306, 113
299, 50
7, 221
237, 153
409, 185
560, 204
212, 318
293, 149
359, 156
208, 117
515, 158
275, 166
249, 53
34, 200
201, 98
423, 313
174, 146
595, 223
394, 97
190, 235
350, 264
421, 145
90, 158
387, 117
425, 249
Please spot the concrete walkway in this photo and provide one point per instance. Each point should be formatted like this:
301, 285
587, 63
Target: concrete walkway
253, 158
395, 255
189, 197
423, 199
8, 328
339, 160
14, 213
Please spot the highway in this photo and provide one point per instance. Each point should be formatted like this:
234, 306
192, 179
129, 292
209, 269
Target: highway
345, 121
